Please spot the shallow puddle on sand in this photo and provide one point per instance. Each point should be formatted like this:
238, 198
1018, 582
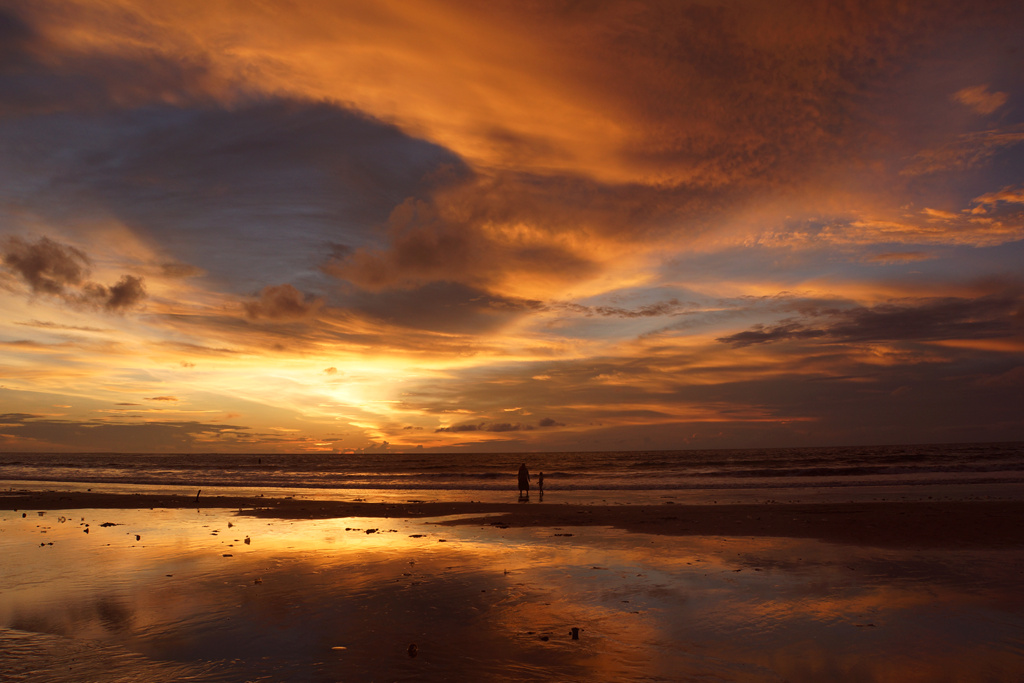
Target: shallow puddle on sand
326, 601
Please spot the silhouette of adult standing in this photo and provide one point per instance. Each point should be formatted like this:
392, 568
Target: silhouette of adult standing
524, 481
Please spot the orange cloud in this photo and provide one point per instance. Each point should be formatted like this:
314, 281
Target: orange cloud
981, 99
1009, 195
659, 93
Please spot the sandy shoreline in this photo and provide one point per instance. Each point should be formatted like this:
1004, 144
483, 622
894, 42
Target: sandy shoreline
106, 586
947, 524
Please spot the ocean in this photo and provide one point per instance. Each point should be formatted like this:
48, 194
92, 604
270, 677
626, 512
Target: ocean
958, 470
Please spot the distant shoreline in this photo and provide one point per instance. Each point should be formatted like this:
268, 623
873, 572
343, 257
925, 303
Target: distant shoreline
951, 524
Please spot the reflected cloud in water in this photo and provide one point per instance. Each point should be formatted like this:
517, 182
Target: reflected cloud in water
344, 599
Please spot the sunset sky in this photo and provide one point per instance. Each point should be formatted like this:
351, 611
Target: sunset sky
509, 226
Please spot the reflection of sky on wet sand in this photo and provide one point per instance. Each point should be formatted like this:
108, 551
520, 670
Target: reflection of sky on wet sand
324, 600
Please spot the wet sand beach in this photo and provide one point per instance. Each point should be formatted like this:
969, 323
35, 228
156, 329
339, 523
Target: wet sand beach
119, 588
899, 524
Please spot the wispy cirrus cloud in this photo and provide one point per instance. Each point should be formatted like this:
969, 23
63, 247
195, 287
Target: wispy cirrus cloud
986, 317
967, 151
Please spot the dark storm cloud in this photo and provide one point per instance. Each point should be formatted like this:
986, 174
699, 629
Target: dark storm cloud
670, 307
932, 320
429, 243
278, 179
16, 39
127, 293
953, 318
442, 307
507, 427
459, 428
99, 435
760, 334
9, 418
48, 267
283, 302
56, 269
269, 154
500, 426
